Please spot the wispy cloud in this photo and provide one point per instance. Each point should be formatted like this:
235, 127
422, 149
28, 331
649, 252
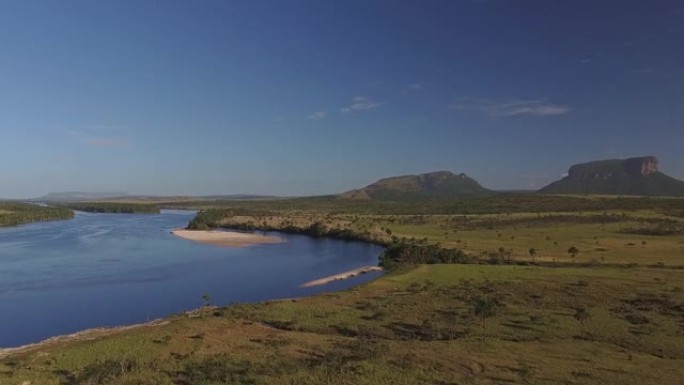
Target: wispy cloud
644, 71
413, 87
318, 115
106, 142
360, 103
641, 39
511, 108
97, 136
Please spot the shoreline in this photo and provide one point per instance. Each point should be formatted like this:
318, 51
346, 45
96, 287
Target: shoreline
83, 335
341, 276
225, 238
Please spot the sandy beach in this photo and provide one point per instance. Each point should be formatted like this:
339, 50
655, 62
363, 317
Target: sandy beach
341, 276
225, 238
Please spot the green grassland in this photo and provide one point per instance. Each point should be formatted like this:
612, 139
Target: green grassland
14, 213
611, 315
412, 327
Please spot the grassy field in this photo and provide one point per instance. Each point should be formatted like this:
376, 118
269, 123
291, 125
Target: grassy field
413, 327
613, 315
610, 237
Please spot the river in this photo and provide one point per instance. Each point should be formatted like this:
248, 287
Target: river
99, 270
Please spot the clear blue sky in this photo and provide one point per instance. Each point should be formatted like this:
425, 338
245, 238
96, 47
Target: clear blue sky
310, 97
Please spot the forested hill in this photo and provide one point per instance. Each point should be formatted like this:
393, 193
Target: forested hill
434, 185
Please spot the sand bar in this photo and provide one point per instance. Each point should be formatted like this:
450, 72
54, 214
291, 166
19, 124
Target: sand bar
225, 238
341, 276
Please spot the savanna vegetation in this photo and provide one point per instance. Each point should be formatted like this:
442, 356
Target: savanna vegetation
511, 289
14, 213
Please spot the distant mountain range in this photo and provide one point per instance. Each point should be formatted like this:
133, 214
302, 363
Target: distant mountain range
68, 196
633, 176
440, 184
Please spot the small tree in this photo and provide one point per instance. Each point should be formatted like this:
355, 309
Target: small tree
573, 251
502, 253
205, 303
485, 307
581, 315
533, 253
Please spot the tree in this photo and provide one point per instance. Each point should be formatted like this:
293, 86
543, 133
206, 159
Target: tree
485, 307
205, 303
502, 253
581, 314
573, 251
533, 253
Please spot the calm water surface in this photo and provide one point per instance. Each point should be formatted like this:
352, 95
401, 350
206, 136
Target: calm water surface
116, 269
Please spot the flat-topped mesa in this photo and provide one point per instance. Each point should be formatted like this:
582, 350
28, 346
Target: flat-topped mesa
632, 176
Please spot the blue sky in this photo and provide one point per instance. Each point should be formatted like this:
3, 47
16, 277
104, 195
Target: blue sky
310, 97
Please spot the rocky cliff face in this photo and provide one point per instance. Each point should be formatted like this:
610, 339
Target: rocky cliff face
643, 166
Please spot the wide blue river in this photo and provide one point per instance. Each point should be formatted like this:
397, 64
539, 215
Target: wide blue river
116, 269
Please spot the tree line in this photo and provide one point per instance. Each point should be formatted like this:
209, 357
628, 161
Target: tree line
12, 214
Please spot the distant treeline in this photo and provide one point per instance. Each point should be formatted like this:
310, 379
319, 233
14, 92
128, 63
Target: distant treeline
12, 214
113, 207
497, 204
656, 227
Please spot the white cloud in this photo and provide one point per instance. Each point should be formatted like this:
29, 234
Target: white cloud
318, 115
511, 107
360, 103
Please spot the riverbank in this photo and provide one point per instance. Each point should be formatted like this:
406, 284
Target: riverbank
83, 335
225, 238
342, 276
